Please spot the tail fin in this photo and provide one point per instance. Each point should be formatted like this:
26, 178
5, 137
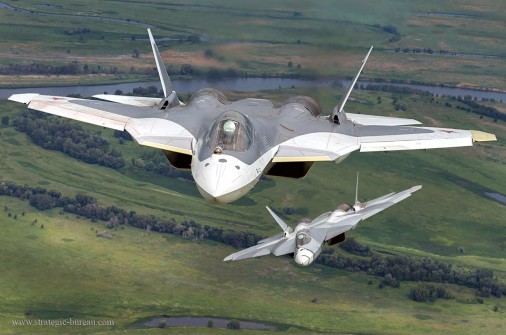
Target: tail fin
357, 205
356, 191
339, 109
170, 97
280, 222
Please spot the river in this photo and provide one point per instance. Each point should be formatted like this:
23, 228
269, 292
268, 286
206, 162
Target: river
241, 85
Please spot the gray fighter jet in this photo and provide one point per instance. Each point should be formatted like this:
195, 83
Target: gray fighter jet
229, 145
306, 240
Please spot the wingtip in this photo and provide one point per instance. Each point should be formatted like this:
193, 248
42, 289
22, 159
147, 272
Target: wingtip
481, 136
23, 98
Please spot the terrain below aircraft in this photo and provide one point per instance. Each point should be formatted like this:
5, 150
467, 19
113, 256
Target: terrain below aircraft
306, 240
229, 145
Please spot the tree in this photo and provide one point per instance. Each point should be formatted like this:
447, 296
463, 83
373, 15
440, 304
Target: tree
42, 201
233, 324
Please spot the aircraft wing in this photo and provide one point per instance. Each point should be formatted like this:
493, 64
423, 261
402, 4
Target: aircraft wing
276, 246
314, 145
311, 138
148, 125
336, 225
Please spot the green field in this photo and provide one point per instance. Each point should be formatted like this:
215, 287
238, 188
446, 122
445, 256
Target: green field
324, 38
64, 270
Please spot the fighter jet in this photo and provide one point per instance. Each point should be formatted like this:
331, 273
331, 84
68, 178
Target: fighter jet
306, 240
228, 145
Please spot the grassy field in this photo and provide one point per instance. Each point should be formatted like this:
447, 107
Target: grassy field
325, 38
65, 270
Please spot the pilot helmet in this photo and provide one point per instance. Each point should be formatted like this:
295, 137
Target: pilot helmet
229, 127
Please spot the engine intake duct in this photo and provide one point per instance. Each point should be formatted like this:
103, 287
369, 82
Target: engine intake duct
308, 103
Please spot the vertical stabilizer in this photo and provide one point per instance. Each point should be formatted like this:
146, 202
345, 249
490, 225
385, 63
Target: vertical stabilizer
356, 191
339, 109
170, 97
280, 222
358, 205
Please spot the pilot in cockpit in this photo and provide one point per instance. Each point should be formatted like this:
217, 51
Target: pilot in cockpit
232, 133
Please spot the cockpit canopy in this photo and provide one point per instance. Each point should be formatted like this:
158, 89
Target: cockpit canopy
232, 131
303, 238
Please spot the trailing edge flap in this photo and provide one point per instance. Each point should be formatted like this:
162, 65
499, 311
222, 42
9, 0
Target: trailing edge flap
297, 154
373, 120
130, 100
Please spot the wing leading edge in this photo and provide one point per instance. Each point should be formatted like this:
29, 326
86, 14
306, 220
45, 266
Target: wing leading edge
328, 146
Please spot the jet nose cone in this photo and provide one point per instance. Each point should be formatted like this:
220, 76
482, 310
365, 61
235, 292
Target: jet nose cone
213, 196
302, 260
304, 257
219, 179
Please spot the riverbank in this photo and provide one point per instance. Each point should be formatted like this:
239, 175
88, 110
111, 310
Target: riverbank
241, 84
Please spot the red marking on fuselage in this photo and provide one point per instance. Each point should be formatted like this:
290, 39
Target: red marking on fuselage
448, 131
58, 98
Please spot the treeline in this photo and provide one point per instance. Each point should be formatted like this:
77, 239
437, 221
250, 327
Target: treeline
58, 134
424, 293
396, 268
472, 105
72, 68
76, 68
86, 206
392, 269
476, 108
393, 89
